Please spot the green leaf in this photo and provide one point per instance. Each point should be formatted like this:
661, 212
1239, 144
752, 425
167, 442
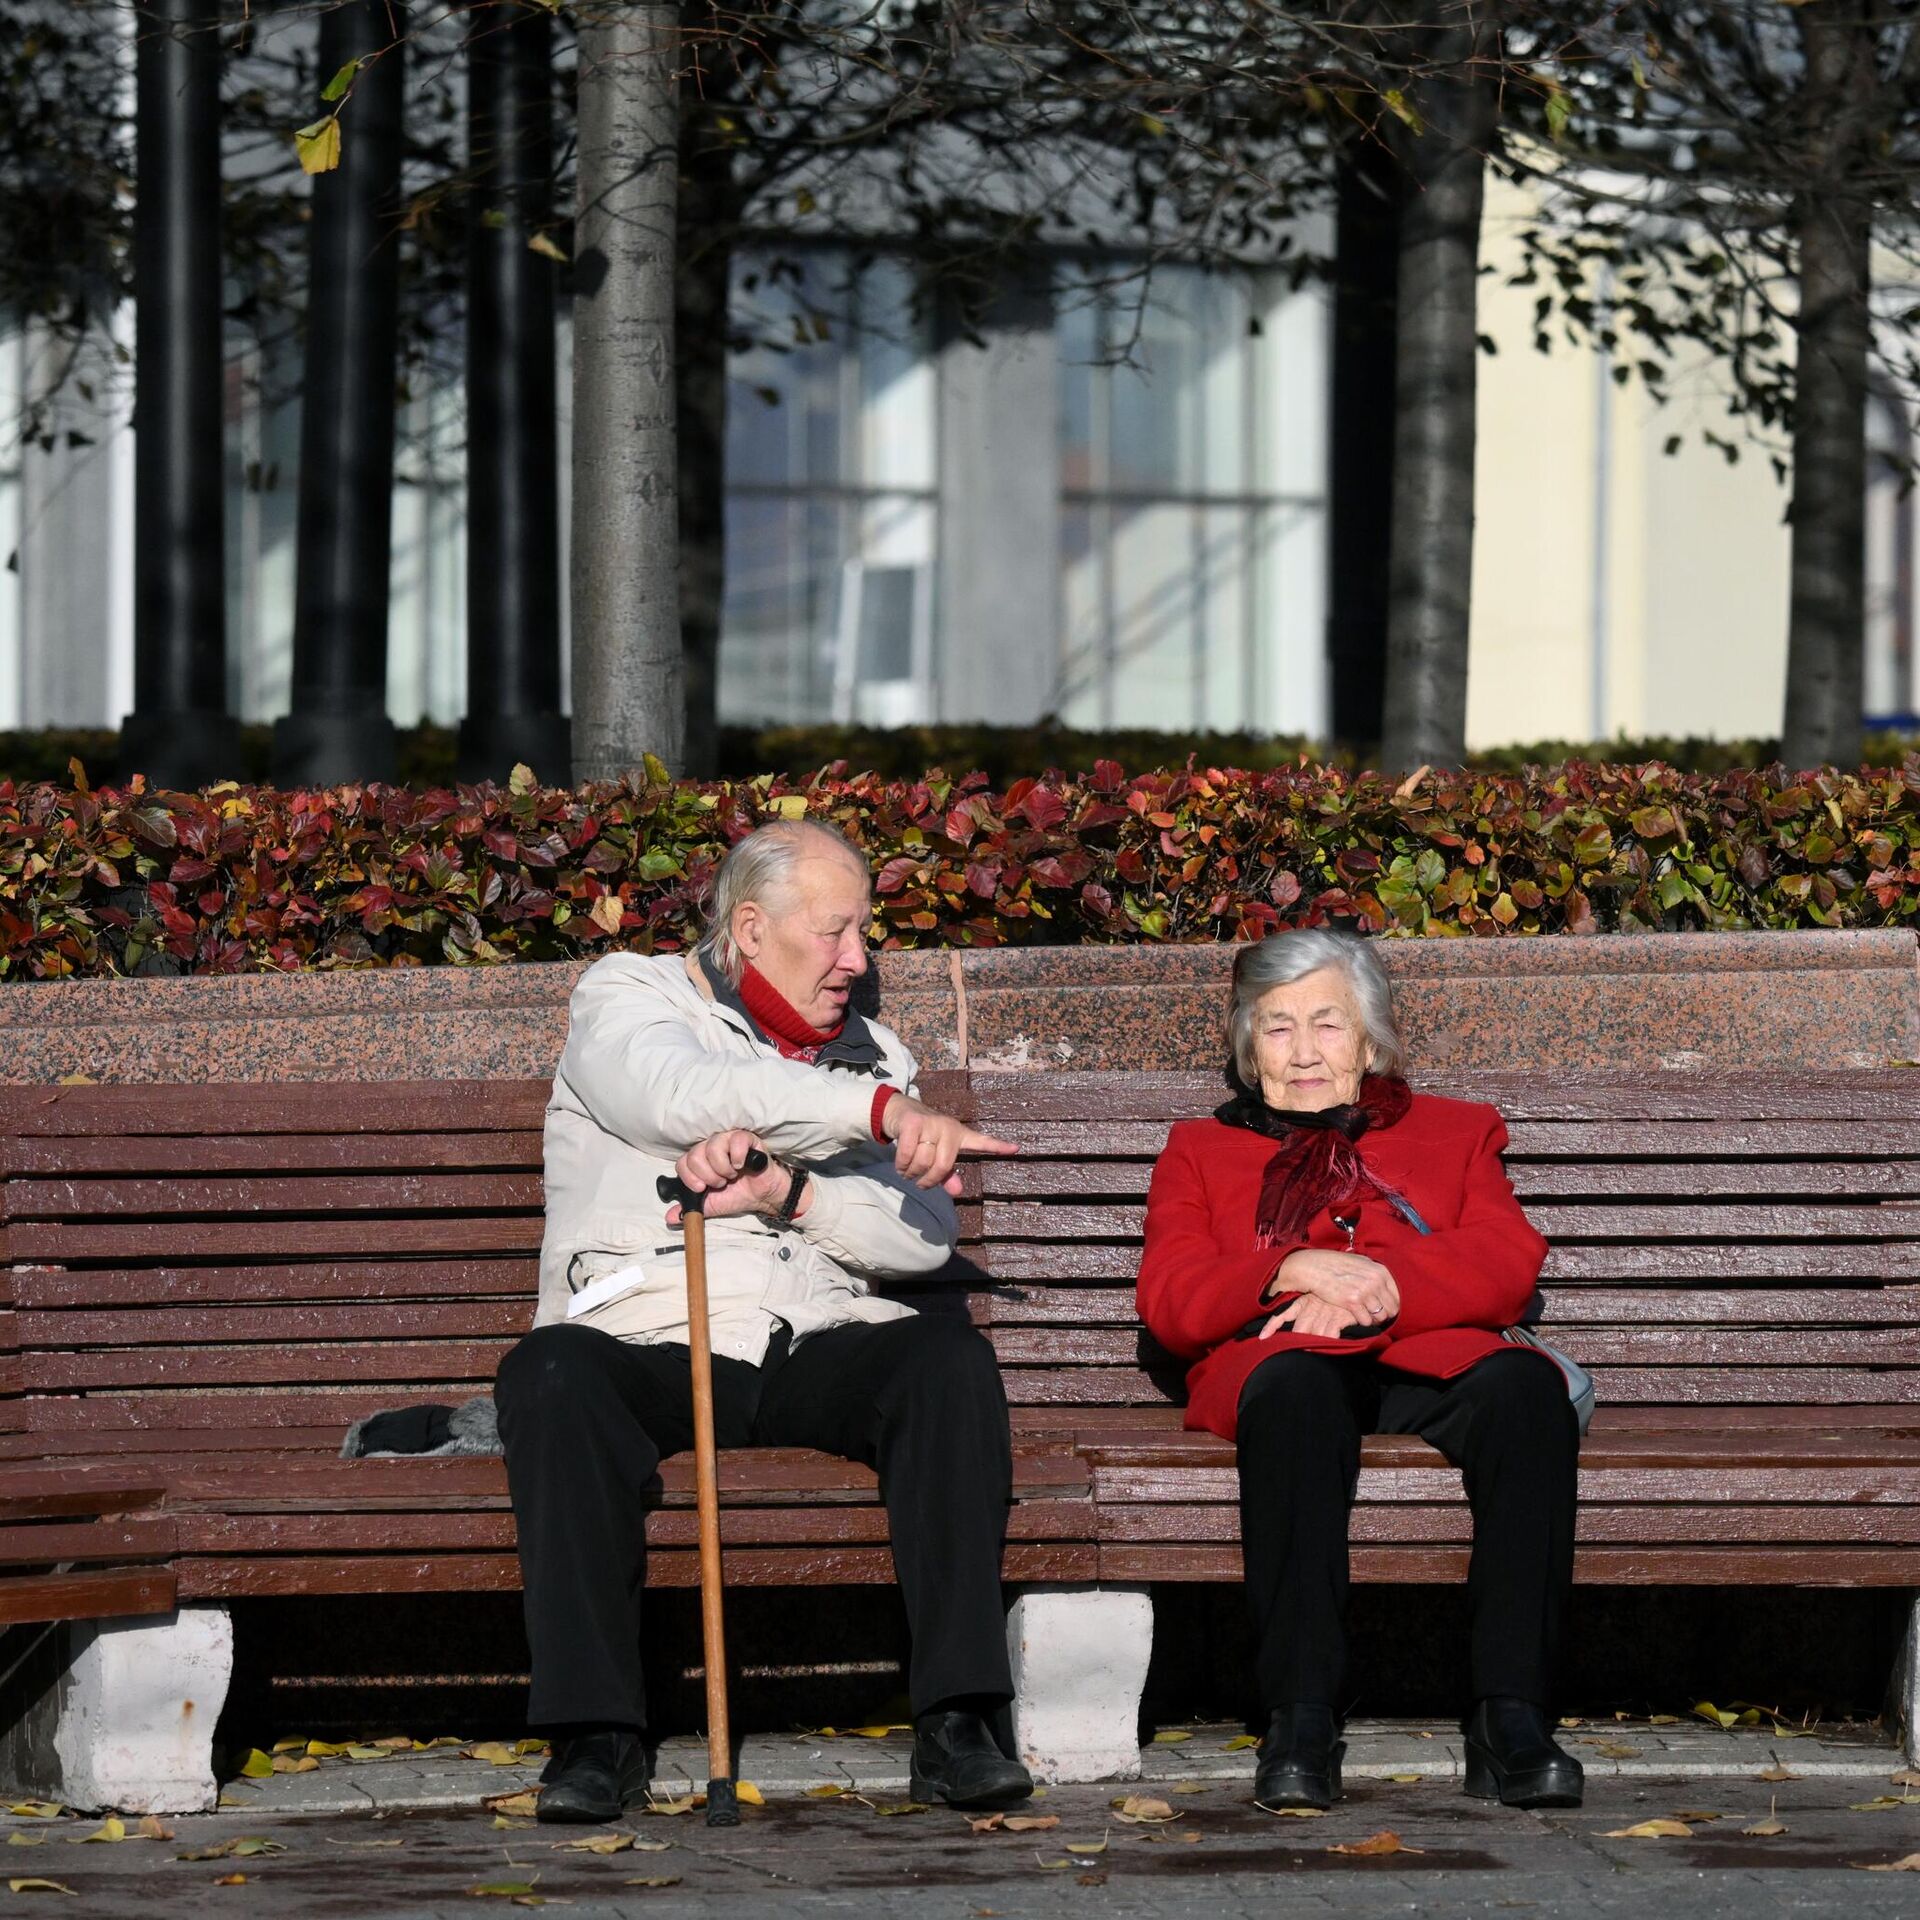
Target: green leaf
318, 146
1403, 109
336, 88
1559, 111
521, 779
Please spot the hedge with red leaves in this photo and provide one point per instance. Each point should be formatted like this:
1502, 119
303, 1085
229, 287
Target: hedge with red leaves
237, 879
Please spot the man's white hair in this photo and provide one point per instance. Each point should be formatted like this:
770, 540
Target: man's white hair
764, 868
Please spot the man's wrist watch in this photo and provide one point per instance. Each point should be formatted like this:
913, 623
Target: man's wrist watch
791, 1204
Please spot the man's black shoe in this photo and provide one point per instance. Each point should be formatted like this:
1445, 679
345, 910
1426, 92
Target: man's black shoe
1512, 1756
595, 1777
1299, 1760
956, 1759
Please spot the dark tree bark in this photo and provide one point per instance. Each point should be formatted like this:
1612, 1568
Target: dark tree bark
710, 214
513, 502
629, 675
1834, 234
338, 729
178, 734
1451, 93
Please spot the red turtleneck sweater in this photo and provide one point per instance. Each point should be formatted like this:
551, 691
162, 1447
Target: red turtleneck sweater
782, 1022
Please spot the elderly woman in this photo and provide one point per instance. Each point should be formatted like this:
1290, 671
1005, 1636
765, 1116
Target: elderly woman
1337, 1256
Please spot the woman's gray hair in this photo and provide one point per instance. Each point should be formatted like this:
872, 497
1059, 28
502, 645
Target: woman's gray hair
1282, 958
762, 868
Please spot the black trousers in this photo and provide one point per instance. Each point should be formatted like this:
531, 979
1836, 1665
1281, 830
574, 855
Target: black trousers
586, 1420
1506, 1423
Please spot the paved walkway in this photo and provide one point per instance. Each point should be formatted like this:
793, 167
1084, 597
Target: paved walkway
410, 1837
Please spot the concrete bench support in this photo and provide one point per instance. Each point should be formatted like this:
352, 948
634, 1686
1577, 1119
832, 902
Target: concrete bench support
1903, 1705
1079, 1667
125, 1721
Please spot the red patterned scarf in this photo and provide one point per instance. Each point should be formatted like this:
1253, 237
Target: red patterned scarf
1318, 1164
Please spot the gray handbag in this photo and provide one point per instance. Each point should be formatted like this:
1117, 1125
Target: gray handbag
1579, 1380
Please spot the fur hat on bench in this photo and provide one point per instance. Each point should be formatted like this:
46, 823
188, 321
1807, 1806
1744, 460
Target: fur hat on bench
430, 1430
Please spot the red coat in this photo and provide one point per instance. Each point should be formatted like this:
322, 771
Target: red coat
1201, 1276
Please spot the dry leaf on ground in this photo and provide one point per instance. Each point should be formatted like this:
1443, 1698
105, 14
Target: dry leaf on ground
1015, 1823
1139, 1810
1651, 1830
231, 1880
240, 1847
25, 1839
888, 1807
1907, 1777
1776, 1773
1240, 1743
596, 1843
256, 1766
38, 1886
1406, 1779
1385, 1841
1200, 1786
295, 1763
1909, 1863
36, 1809
525, 1803
825, 1791
1088, 1846
654, 1880
1663, 1719
1052, 1866
1881, 1802
503, 1890
1690, 1813
150, 1828
495, 1752
1294, 1813
1771, 1827
1614, 1750
685, 1804
1172, 1736
112, 1830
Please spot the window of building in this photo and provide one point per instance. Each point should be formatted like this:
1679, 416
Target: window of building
831, 510
1892, 675
1193, 503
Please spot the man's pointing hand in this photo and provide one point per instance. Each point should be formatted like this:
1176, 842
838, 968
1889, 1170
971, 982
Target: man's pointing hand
926, 1144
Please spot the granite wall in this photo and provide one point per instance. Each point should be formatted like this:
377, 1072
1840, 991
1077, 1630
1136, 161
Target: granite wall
1659, 1001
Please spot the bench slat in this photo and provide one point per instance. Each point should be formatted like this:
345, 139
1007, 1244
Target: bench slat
98, 1593
394, 1191
1657, 1565
214, 1152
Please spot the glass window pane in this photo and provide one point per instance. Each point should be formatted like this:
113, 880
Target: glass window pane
1226, 599
1154, 601
1081, 697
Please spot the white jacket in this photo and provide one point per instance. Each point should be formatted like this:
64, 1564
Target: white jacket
652, 1065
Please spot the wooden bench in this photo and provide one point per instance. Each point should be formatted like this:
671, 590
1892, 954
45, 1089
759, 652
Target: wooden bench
209, 1283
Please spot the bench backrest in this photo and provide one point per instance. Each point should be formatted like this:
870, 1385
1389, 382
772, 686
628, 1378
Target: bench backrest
247, 1265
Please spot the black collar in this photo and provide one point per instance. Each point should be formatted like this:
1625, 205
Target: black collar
853, 1048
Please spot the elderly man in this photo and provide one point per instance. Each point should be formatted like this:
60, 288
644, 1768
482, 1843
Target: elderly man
688, 1063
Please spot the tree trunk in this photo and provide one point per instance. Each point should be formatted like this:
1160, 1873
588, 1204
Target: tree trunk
338, 728
1834, 233
178, 733
513, 496
629, 677
709, 219
1430, 541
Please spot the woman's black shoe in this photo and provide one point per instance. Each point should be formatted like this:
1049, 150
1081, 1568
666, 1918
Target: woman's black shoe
595, 1777
1512, 1756
1299, 1760
957, 1759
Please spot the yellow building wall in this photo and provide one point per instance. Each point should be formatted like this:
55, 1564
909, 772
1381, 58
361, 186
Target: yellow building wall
1617, 589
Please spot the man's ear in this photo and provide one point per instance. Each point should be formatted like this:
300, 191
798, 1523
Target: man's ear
749, 928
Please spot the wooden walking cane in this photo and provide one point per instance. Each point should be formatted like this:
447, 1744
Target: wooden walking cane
723, 1800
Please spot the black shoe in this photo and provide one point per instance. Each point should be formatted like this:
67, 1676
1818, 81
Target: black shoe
956, 1759
595, 1777
1512, 1756
1299, 1760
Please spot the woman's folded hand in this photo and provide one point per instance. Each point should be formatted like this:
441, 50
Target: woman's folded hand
1308, 1315
1361, 1290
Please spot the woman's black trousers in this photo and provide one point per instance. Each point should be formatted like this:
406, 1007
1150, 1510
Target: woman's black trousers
1509, 1427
